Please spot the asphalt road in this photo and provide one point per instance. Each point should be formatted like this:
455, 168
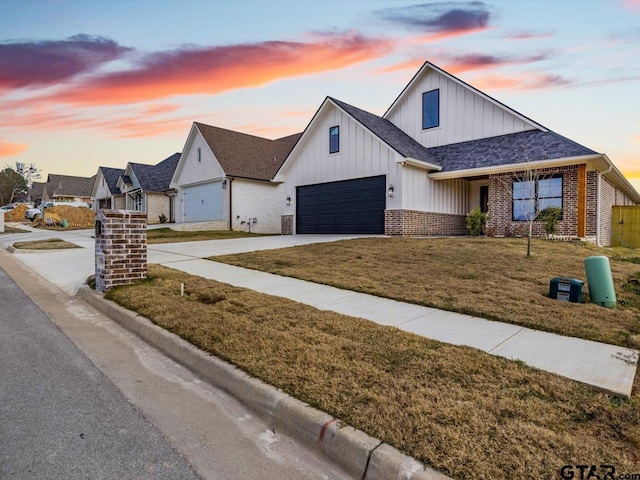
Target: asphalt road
60, 417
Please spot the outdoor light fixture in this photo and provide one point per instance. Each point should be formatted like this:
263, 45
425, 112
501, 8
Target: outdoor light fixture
391, 191
224, 183
288, 200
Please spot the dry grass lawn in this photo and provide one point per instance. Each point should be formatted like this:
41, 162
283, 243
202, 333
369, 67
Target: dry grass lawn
167, 235
466, 413
14, 230
49, 244
485, 277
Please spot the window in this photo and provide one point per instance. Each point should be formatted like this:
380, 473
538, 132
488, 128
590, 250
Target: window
137, 202
334, 139
199, 154
530, 197
430, 109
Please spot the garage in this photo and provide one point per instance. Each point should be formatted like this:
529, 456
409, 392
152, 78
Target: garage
203, 202
349, 206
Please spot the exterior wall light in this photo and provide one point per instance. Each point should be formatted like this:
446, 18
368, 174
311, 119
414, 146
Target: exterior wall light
288, 199
224, 183
391, 191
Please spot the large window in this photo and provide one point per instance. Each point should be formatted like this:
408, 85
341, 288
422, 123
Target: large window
137, 202
430, 109
334, 139
531, 197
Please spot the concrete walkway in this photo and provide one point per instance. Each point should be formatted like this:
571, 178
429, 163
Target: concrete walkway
589, 362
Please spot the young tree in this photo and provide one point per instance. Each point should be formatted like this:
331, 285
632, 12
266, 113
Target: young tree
532, 191
15, 181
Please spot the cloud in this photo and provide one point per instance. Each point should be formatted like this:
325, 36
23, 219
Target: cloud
441, 19
212, 70
528, 34
46, 63
8, 148
523, 81
633, 5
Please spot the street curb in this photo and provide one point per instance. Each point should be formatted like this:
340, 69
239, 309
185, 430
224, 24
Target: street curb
359, 454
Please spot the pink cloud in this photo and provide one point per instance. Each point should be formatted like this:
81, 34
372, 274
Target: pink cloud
633, 5
522, 81
8, 148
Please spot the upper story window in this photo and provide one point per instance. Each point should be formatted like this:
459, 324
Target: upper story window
431, 109
334, 139
531, 197
199, 154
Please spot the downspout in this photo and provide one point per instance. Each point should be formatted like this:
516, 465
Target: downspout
598, 204
230, 204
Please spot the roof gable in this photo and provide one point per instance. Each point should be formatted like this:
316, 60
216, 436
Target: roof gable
155, 178
67, 185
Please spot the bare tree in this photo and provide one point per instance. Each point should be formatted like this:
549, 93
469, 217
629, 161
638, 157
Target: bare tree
532, 190
16, 179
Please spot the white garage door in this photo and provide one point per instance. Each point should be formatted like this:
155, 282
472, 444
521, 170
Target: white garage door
203, 202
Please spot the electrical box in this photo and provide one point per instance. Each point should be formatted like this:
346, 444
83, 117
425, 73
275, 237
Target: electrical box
566, 289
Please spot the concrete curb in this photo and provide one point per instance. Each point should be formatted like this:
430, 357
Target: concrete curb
359, 454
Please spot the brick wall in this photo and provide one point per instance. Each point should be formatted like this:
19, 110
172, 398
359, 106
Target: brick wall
286, 224
413, 222
501, 205
121, 248
592, 202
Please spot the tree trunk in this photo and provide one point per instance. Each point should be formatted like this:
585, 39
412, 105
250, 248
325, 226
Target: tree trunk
529, 239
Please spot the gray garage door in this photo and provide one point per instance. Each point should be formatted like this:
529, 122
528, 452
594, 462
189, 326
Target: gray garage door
203, 202
350, 206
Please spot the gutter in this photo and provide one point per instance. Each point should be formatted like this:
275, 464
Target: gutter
231, 179
599, 196
419, 163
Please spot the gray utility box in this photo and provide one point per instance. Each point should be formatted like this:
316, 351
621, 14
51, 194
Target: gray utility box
566, 289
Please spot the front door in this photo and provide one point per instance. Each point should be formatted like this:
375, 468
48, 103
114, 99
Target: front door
484, 198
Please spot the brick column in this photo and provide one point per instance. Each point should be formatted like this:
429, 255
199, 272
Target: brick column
121, 248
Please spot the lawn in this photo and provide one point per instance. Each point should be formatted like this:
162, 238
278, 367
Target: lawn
167, 235
485, 277
14, 230
466, 413
49, 244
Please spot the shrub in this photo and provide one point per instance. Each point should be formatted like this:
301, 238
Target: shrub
162, 218
476, 222
551, 216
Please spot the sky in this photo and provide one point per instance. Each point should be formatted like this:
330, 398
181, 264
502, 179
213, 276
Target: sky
86, 83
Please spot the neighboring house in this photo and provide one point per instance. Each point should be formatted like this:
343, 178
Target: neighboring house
36, 192
146, 188
225, 178
105, 193
67, 188
441, 149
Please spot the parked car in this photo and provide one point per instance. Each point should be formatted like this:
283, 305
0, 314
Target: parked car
8, 208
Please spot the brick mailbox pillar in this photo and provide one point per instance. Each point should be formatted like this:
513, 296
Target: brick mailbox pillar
121, 248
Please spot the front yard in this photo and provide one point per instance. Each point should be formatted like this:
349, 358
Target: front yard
168, 235
466, 413
485, 277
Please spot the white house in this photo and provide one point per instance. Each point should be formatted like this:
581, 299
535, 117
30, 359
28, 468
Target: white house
224, 178
105, 193
441, 149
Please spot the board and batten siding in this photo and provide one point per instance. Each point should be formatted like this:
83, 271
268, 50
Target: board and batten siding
361, 154
464, 115
101, 191
421, 193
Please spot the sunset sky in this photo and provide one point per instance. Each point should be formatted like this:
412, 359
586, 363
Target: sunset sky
90, 83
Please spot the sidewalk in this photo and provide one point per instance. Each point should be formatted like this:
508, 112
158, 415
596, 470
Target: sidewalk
589, 362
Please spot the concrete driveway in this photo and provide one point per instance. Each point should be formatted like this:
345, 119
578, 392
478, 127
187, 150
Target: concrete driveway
68, 269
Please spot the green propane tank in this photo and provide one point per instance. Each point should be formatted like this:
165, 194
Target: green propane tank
600, 281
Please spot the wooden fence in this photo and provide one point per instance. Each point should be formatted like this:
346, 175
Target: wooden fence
625, 226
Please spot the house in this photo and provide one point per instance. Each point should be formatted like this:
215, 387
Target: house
36, 192
441, 149
105, 193
67, 188
224, 178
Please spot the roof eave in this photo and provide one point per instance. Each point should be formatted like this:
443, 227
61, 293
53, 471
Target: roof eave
621, 181
414, 162
591, 160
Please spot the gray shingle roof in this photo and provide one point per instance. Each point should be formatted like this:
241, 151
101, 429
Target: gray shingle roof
156, 178
518, 147
388, 133
67, 185
36, 191
111, 176
247, 156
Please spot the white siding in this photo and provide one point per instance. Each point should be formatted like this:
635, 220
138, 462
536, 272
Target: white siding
101, 191
193, 172
474, 192
421, 193
260, 200
361, 155
464, 115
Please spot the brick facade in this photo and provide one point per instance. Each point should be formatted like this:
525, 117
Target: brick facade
501, 204
286, 224
413, 222
121, 248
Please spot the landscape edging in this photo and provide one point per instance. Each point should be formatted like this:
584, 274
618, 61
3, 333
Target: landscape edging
358, 453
